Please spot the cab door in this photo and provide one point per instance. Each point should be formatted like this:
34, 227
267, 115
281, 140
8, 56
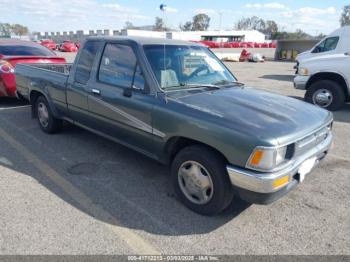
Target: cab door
79, 83
118, 102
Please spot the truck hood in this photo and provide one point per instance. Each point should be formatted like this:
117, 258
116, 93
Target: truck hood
303, 55
259, 113
324, 58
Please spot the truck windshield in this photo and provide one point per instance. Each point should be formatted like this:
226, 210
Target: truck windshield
180, 66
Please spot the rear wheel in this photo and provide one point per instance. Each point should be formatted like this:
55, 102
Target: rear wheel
47, 122
201, 181
327, 94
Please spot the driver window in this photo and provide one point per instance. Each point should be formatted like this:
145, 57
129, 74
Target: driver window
326, 45
331, 44
117, 65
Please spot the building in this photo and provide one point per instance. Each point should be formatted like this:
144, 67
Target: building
78, 35
289, 49
219, 36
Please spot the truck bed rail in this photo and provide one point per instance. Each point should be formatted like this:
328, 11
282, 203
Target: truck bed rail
59, 68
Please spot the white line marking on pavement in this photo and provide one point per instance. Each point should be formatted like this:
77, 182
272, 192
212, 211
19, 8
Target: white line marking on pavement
13, 107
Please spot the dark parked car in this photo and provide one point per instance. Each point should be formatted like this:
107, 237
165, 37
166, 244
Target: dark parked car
177, 103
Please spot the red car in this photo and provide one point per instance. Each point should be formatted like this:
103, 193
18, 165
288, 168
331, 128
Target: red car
243, 45
17, 51
231, 45
257, 45
50, 44
272, 45
68, 46
226, 44
210, 44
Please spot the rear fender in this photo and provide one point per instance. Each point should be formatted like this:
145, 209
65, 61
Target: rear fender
35, 93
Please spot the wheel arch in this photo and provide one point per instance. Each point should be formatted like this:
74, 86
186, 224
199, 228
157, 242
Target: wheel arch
33, 96
177, 143
338, 78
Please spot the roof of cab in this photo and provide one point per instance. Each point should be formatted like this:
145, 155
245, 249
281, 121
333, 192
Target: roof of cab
143, 40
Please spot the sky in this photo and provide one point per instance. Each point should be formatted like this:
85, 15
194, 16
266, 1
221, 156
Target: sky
313, 17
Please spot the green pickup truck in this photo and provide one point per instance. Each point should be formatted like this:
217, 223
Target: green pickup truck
177, 103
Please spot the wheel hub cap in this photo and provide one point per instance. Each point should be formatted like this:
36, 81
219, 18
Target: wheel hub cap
323, 98
195, 182
43, 114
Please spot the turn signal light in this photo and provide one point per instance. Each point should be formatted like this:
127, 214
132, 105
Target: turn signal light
255, 160
280, 181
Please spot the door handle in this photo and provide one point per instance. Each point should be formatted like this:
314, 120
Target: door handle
95, 91
347, 53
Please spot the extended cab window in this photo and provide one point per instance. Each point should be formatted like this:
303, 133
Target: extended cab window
118, 67
326, 45
86, 60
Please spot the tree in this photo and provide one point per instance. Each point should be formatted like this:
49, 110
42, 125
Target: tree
200, 22
320, 36
19, 30
345, 16
250, 23
159, 24
186, 27
298, 34
271, 29
268, 27
5, 30
129, 25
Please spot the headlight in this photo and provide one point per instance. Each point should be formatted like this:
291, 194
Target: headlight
266, 159
303, 71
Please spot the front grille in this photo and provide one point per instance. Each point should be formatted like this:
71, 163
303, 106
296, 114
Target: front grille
296, 67
307, 143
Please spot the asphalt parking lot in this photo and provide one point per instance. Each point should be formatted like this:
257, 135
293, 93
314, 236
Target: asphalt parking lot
77, 193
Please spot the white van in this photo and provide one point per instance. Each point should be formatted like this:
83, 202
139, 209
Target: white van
337, 42
324, 72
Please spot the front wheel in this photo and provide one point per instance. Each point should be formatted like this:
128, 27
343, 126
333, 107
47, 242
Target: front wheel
327, 94
201, 181
47, 122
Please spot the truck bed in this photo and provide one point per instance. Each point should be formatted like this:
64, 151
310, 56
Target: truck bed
49, 77
58, 68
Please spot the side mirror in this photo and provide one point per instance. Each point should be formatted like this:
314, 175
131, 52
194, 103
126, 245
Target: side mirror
127, 92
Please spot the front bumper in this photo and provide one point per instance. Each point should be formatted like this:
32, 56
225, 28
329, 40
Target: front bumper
300, 81
256, 187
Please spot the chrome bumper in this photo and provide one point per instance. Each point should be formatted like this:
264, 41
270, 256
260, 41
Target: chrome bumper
300, 82
263, 182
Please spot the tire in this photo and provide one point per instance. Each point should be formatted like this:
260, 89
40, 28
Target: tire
332, 92
212, 168
52, 124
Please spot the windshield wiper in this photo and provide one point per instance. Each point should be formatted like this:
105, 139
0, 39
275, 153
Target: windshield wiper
195, 85
227, 82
